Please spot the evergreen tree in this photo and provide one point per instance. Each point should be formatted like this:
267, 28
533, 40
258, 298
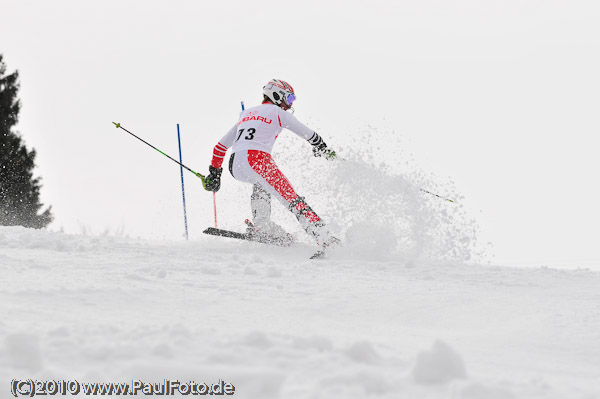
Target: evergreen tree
19, 190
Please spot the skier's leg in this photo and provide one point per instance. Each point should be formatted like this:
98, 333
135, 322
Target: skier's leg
261, 169
260, 202
307, 218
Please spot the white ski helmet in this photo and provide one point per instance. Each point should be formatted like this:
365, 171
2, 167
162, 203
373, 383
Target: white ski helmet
279, 92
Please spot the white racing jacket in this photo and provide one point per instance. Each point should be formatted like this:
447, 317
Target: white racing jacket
257, 129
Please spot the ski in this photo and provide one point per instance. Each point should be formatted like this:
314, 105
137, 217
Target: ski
226, 233
261, 238
267, 239
318, 255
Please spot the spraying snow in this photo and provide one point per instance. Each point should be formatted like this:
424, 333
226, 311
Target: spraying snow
379, 208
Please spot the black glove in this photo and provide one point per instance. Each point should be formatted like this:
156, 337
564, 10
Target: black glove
212, 182
321, 150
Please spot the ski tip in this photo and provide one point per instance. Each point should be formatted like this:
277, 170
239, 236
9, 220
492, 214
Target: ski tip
210, 230
117, 125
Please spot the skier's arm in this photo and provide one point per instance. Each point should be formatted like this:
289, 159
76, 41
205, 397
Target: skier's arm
290, 122
212, 182
222, 146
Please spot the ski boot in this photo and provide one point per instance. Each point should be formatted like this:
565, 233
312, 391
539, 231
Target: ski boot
270, 233
327, 245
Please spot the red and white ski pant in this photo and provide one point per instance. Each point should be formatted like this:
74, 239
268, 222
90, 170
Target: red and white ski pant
259, 168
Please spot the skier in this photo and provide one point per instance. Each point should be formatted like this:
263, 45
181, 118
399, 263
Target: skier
251, 140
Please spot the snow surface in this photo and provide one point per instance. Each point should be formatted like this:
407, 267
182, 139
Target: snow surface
277, 325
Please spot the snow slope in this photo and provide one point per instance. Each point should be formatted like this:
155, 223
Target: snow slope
277, 325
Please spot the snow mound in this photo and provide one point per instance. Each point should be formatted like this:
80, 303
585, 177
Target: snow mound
439, 365
363, 352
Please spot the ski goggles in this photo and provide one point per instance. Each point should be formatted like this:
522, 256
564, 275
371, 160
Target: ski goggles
290, 99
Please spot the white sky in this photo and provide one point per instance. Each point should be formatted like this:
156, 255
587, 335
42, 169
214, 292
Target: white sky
501, 97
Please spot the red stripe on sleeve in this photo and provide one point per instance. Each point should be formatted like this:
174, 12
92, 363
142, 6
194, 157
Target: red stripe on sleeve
218, 155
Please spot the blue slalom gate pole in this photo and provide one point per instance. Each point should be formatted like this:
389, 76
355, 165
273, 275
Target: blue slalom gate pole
182, 186
242, 105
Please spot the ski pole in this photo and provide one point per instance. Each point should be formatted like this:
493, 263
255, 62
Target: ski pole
215, 194
439, 196
215, 206
182, 186
118, 125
